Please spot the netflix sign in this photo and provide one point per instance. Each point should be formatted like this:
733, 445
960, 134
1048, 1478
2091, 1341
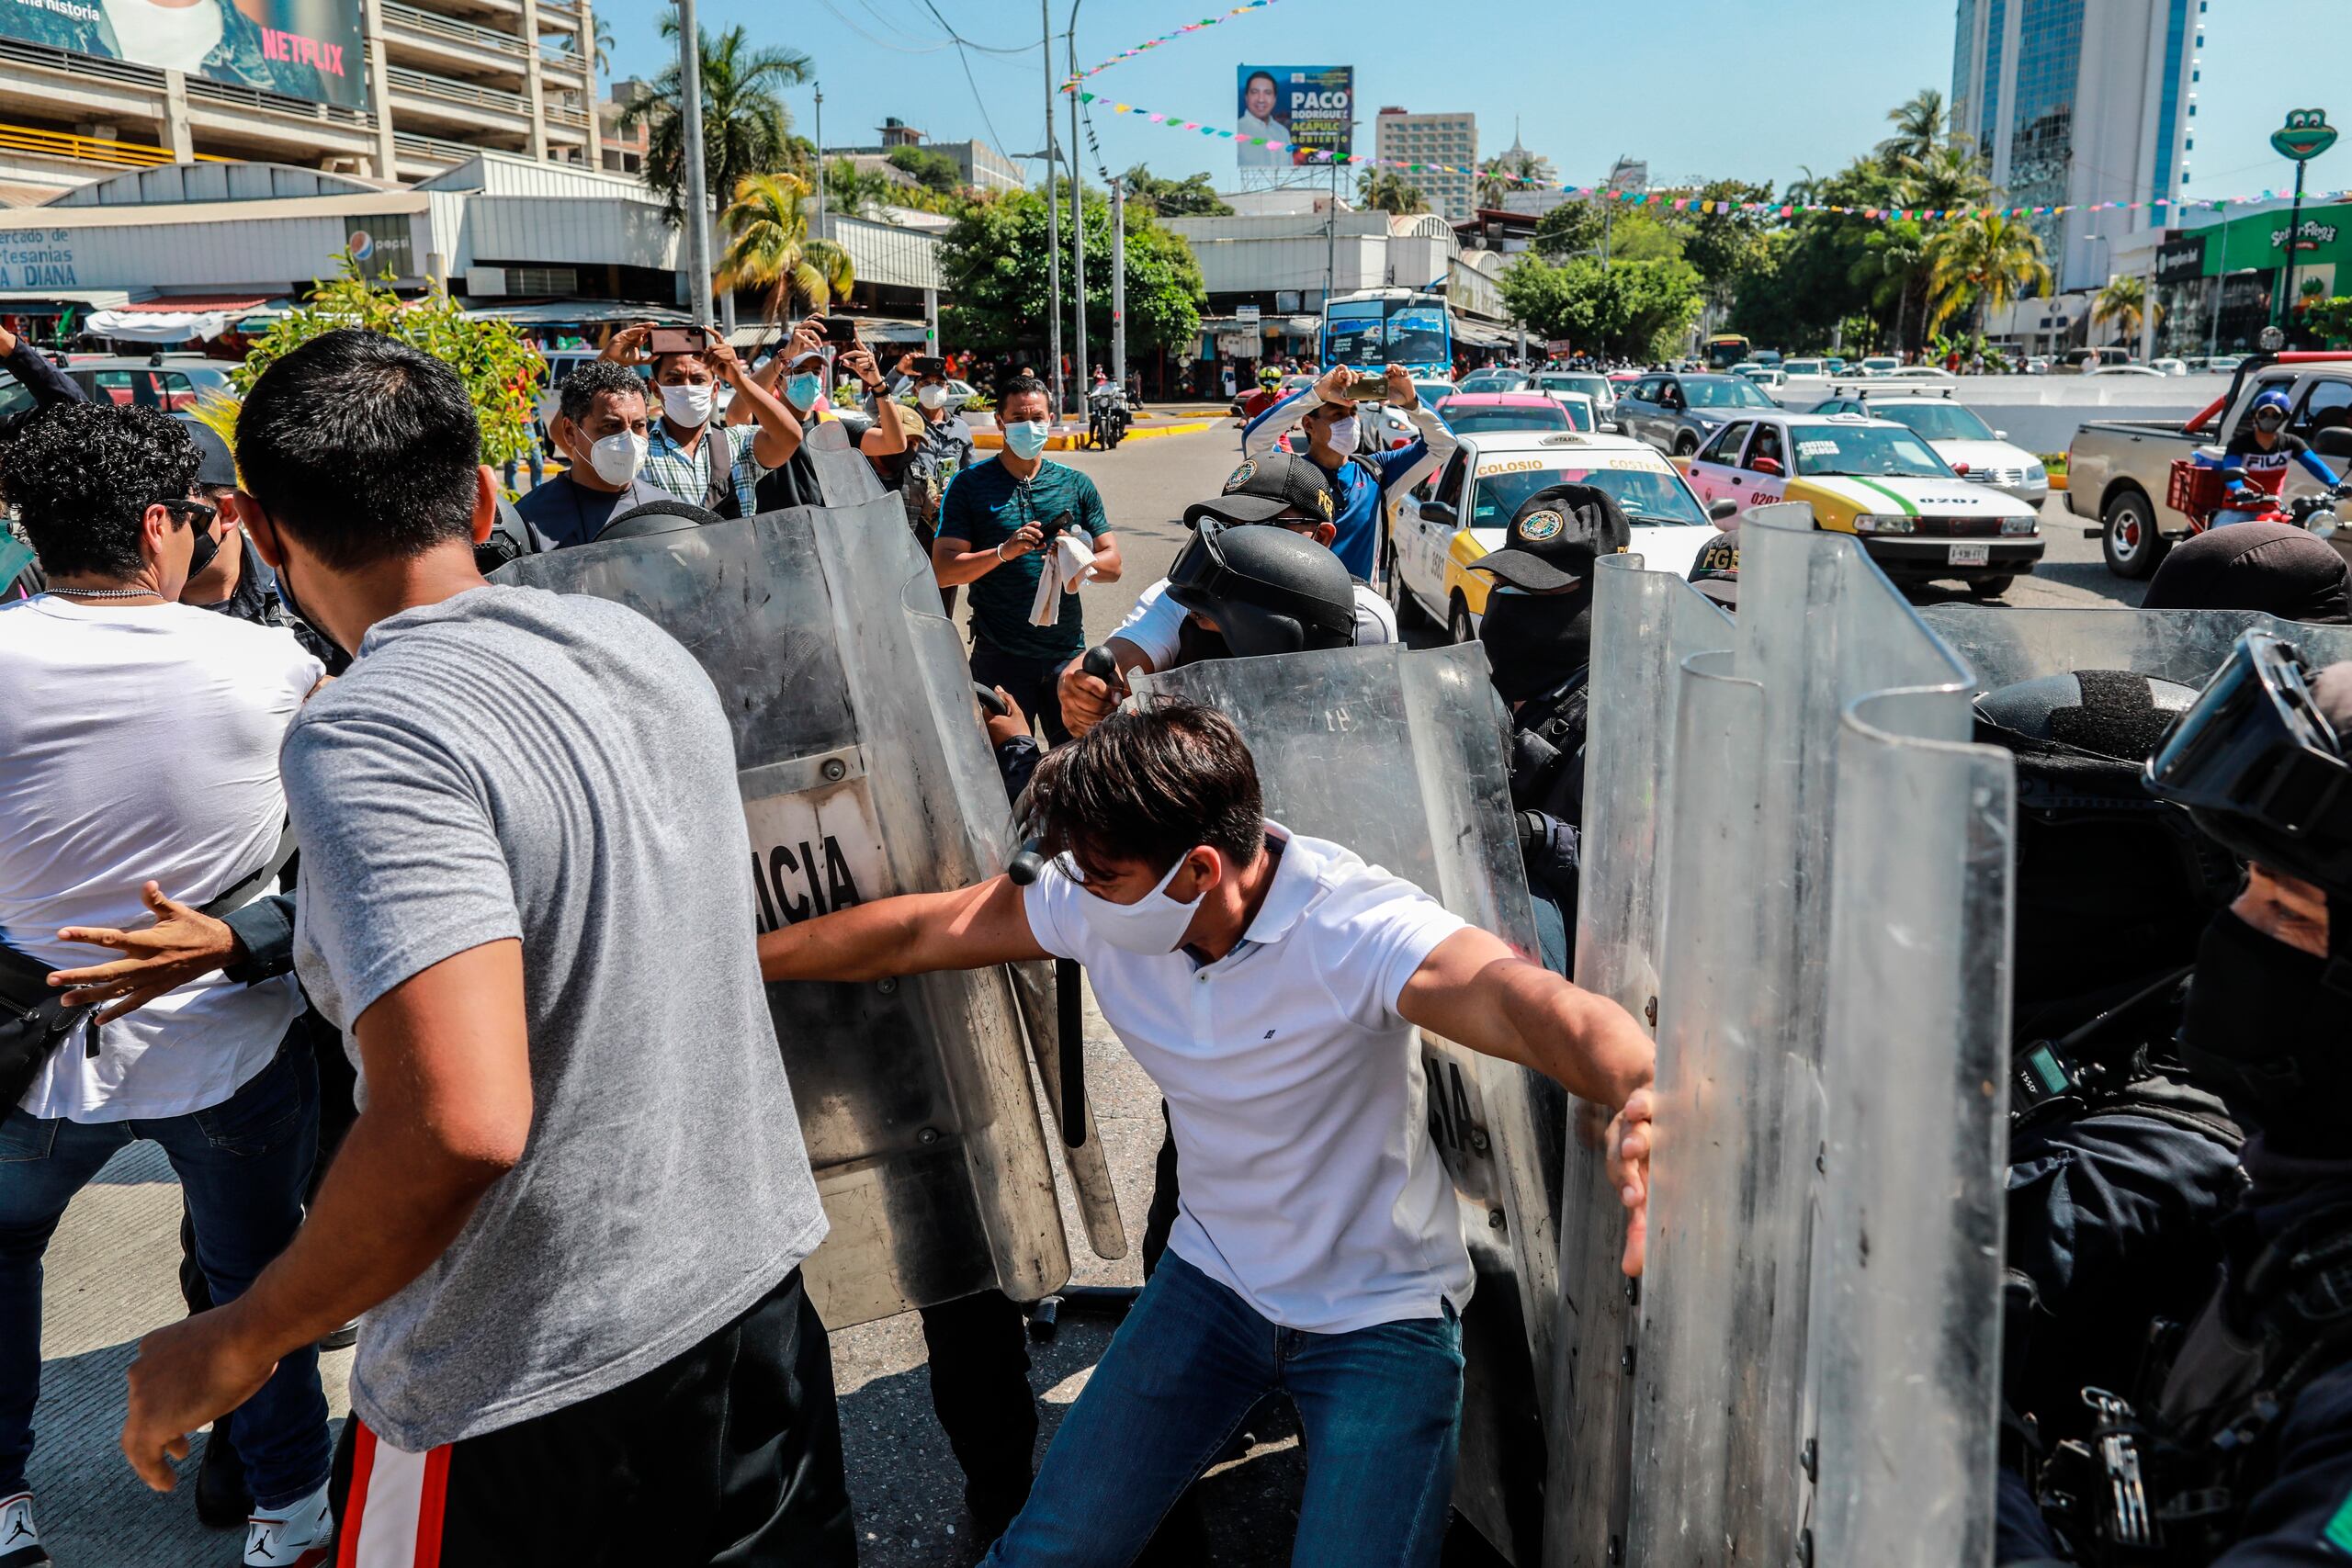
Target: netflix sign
296, 49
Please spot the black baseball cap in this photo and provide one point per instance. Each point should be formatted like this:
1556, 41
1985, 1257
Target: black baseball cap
1554, 536
1262, 488
216, 467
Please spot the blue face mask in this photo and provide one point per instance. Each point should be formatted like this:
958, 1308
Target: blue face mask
801, 391
1026, 438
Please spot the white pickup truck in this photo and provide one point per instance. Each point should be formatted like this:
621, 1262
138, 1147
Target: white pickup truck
2118, 471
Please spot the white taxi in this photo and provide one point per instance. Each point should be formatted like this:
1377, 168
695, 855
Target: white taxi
1880, 482
1454, 516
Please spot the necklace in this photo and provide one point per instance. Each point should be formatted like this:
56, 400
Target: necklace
107, 593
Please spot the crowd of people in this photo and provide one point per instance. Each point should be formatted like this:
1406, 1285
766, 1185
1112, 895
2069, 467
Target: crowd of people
330, 868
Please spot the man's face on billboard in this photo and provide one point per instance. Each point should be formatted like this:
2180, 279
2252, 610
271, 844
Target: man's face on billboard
1262, 97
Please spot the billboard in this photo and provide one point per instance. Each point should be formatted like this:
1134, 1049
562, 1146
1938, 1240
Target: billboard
1310, 106
302, 49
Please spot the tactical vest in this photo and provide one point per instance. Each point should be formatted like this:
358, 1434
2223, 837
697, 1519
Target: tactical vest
1547, 751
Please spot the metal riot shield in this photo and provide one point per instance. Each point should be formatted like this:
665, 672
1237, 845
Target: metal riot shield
1829, 949
1399, 756
863, 773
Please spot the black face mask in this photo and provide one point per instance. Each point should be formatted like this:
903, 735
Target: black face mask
2268, 1032
206, 548
1534, 642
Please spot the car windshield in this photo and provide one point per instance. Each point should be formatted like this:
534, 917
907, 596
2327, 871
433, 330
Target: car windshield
1646, 495
1937, 421
1487, 419
1590, 386
1433, 392
1731, 392
1865, 449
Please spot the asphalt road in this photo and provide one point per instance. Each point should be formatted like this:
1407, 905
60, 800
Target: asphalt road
111, 1267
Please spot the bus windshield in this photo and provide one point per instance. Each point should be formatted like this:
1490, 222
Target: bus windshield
1387, 331
1725, 351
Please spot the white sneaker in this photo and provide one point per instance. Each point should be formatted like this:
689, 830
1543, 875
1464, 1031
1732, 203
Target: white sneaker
295, 1537
19, 1540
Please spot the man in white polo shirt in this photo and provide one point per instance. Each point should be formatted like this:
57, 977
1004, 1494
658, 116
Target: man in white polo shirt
1270, 983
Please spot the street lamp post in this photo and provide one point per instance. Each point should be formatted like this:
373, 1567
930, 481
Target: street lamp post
1118, 282
2305, 136
697, 235
1053, 224
1076, 217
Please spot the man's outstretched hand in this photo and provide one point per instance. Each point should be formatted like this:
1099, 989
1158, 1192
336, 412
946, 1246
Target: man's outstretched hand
1629, 1172
188, 1372
185, 943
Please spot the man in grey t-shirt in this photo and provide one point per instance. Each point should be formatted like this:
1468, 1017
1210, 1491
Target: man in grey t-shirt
576, 1200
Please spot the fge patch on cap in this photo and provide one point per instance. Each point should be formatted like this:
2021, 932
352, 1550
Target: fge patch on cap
1240, 476
1540, 527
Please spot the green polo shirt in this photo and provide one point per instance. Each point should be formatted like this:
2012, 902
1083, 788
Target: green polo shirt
986, 505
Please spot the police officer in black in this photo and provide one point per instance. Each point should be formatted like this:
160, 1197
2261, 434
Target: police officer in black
1538, 634
2233, 1444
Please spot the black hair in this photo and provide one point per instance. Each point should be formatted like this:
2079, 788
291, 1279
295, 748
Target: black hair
1150, 784
1269, 75
594, 379
654, 368
82, 476
365, 448
1022, 387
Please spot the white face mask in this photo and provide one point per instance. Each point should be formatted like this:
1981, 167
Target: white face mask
688, 407
617, 458
1152, 925
931, 397
1343, 434
1026, 438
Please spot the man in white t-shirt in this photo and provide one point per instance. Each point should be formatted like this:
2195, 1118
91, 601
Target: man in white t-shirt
1270, 984
139, 740
1281, 488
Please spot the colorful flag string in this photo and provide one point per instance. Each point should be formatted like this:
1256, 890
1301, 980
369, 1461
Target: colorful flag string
1697, 204
1127, 54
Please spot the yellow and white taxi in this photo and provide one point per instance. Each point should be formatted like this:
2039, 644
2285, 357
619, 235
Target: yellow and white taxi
1454, 516
1880, 482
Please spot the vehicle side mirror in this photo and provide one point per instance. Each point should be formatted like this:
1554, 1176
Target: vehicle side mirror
2335, 441
2000, 436
1768, 466
1717, 511
1440, 512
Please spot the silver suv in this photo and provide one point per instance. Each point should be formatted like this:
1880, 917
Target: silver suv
1675, 413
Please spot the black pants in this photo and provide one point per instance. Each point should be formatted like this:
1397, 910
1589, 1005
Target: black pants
1034, 681
978, 1351
728, 1455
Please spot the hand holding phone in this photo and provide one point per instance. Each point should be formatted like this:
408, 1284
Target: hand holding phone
678, 340
1364, 389
840, 331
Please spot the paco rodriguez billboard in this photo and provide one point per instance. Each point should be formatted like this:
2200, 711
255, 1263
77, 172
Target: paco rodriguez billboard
301, 48
1311, 108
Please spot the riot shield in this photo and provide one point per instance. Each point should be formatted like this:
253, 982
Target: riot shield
863, 773
2002, 646
842, 473
1399, 755
1789, 916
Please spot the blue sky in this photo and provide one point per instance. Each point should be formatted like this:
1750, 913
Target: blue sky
1697, 87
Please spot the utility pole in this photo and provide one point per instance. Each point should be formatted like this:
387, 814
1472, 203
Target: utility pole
1077, 219
1053, 224
697, 235
1118, 282
1331, 234
2284, 313
820, 161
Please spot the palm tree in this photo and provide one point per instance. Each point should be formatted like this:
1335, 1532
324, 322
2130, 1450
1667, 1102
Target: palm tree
1948, 177
2122, 304
745, 127
1982, 261
1382, 190
856, 191
1494, 183
768, 247
1920, 127
1893, 266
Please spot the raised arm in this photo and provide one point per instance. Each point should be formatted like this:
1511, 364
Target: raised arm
779, 433
1403, 469
971, 928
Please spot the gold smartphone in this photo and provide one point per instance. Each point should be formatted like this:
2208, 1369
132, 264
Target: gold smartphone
1368, 386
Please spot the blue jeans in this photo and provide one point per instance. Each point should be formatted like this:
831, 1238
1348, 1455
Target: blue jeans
243, 1165
1381, 1408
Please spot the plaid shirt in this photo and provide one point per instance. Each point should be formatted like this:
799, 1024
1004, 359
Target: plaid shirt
686, 474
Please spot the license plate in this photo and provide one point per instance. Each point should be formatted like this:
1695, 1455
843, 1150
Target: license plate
1971, 555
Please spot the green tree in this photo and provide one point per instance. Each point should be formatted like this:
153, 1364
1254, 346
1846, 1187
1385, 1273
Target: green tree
500, 369
1385, 190
1919, 127
1571, 228
1981, 261
1642, 309
931, 169
1950, 176
1191, 196
2123, 305
1725, 245
746, 130
993, 263
1893, 269
855, 191
768, 248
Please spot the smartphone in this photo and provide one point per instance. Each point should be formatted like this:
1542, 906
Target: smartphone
840, 331
930, 364
678, 340
1369, 386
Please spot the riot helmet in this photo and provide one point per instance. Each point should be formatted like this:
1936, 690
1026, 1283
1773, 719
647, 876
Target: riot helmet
1538, 622
1267, 590
2271, 567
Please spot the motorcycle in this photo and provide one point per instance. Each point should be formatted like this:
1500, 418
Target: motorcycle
1108, 417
